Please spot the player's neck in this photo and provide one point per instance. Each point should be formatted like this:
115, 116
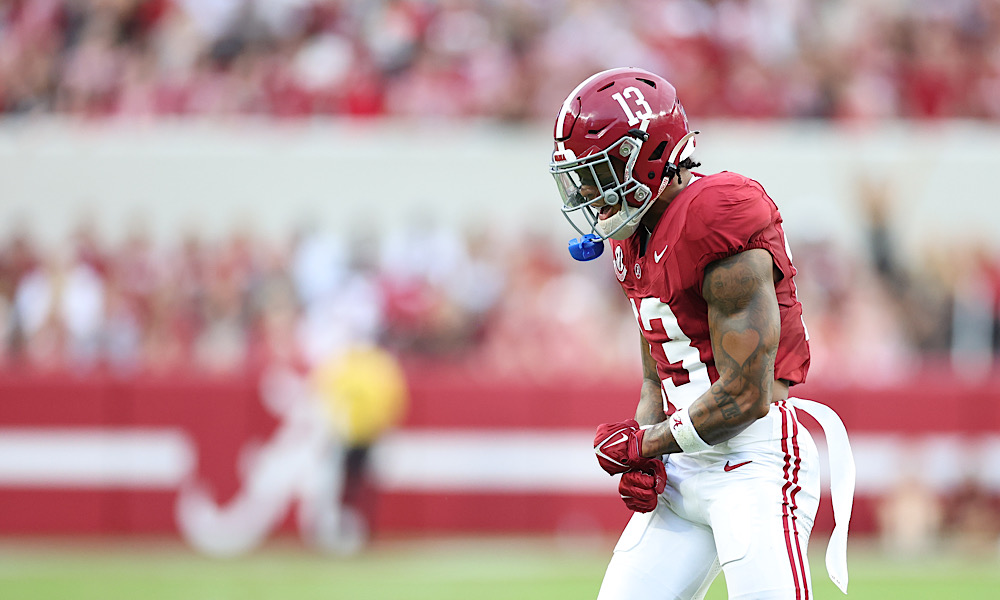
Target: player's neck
652, 216
663, 201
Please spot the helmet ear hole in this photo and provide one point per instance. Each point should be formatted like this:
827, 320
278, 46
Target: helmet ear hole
658, 151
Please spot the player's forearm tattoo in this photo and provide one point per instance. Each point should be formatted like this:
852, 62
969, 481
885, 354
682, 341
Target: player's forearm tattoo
727, 405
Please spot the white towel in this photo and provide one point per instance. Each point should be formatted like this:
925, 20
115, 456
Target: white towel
842, 476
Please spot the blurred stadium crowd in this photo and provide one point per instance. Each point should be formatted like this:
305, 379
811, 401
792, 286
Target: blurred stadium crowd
510, 59
460, 296
223, 306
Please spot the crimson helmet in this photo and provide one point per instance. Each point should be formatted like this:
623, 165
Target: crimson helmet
623, 133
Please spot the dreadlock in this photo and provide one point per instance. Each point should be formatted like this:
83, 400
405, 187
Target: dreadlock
670, 171
689, 163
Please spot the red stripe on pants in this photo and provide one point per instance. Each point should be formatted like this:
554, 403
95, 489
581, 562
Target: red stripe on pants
791, 473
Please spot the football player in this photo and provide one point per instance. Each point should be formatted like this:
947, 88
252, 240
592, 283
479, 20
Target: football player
719, 470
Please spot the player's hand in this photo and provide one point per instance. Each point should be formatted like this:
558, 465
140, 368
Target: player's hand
640, 489
618, 445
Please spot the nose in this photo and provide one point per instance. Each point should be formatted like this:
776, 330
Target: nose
590, 192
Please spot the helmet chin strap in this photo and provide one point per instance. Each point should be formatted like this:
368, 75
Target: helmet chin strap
671, 170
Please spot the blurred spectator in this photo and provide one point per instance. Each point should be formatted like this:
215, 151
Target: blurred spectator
972, 518
910, 517
508, 59
60, 306
364, 394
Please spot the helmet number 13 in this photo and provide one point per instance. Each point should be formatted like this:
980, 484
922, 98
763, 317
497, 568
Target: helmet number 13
645, 113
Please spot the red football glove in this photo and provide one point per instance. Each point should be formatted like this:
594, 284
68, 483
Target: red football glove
618, 445
639, 489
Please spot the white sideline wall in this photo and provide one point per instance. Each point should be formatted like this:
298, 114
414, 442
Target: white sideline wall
272, 178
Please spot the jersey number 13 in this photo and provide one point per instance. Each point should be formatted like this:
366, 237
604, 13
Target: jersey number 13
690, 380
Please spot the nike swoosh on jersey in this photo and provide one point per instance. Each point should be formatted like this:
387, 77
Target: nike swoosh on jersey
658, 255
730, 467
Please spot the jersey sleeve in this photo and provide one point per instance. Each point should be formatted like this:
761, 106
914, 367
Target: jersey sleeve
727, 219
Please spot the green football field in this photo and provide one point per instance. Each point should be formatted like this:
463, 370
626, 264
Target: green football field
486, 569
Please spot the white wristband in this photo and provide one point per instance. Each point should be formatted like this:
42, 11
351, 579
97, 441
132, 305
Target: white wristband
684, 432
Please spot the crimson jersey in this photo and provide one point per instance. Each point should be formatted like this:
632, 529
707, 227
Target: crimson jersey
712, 218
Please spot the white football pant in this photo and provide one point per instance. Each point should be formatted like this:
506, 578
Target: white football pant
746, 507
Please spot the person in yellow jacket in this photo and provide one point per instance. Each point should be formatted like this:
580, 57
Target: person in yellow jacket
364, 392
